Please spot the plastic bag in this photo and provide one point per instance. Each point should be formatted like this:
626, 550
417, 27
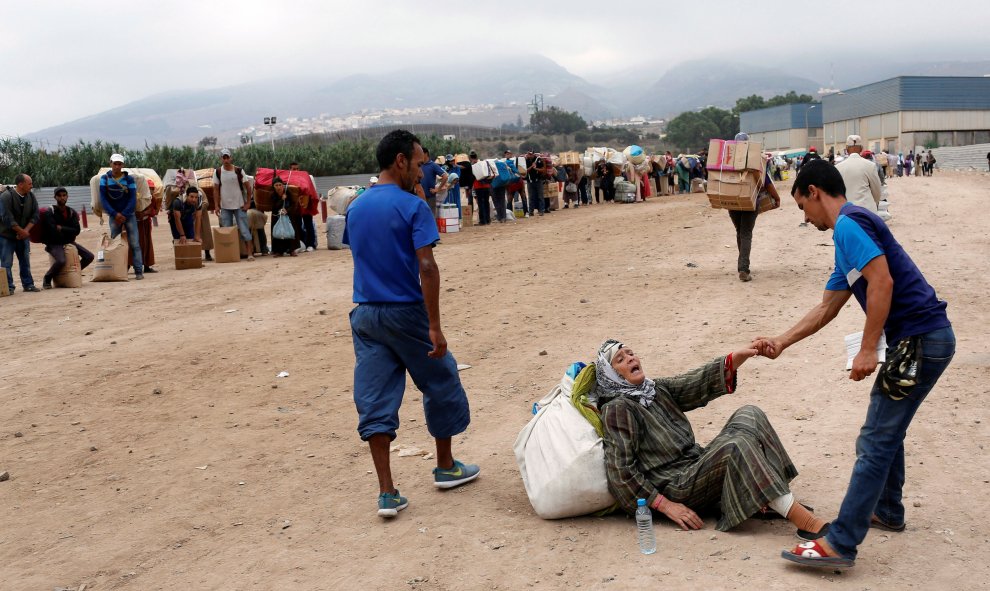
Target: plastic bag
283, 229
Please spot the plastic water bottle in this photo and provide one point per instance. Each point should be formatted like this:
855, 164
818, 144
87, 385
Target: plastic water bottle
644, 528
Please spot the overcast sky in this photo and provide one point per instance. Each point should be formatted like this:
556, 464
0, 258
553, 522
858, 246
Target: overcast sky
70, 59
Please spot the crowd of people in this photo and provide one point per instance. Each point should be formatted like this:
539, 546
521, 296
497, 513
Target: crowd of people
231, 199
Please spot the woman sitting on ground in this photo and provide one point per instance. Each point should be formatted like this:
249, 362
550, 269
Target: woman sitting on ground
651, 453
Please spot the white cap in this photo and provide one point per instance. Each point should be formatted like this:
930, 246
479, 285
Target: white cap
854, 140
373, 180
116, 158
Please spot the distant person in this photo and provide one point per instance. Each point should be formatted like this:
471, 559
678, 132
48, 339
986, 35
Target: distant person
812, 154
59, 228
432, 170
307, 221
184, 217
118, 197
144, 226
466, 173
908, 163
230, 197
483, 196
282, 204
859, 176
930, 163
396, 323
745, 222
988, 160
917, 164
18, 214
900, 305
534, 184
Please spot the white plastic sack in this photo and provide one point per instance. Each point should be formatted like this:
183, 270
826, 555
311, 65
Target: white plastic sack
561, 459
340, 198
335, 232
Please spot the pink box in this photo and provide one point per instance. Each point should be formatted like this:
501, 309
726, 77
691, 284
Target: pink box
733, 155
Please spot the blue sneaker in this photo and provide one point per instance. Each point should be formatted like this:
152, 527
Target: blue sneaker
389, 504
456, 476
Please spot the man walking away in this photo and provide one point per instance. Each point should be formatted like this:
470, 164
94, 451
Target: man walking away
396, 324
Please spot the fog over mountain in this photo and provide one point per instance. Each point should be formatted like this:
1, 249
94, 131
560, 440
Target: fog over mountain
185, 117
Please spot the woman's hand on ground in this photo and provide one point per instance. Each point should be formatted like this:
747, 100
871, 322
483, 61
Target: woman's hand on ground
680, 514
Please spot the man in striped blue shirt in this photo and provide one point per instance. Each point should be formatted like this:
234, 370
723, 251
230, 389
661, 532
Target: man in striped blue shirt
118, 197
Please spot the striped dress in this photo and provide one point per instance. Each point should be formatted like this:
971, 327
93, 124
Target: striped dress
651, 451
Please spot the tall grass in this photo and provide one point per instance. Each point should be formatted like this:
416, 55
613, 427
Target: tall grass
76, 163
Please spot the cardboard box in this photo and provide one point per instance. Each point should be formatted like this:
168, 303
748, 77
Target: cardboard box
467, 216
448, 226
449, 211
733, 155
554, 203
4, 288
226, 242
188, 255
569, 158
735, 190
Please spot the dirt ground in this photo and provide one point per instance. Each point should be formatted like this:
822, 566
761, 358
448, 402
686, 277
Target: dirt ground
150, 444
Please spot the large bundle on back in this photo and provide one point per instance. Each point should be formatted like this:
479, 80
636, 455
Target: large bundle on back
735, 174
204, 180
299, 186
141, 177
340, 198
176, 187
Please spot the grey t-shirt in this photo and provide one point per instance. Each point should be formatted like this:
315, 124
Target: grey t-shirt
230, 190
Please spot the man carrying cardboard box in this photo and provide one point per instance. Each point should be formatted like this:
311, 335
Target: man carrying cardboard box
745, 221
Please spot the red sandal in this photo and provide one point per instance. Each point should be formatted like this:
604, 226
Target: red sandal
813, 554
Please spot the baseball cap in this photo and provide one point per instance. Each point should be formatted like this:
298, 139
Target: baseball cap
224, 152
60, 190
373, 180
449, 157
116, 158
742, 137
507, 152
812, 149
854, 140
867, 154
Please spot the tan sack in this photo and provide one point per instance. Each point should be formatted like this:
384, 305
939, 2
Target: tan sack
111, 260
71, 273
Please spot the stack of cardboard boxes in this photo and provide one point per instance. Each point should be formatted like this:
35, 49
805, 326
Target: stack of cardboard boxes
735, 174
449, 221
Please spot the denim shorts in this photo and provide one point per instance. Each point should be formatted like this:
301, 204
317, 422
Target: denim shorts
389, 340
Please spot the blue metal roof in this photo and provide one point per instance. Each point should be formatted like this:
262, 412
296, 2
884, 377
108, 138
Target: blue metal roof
781, 117
909, 93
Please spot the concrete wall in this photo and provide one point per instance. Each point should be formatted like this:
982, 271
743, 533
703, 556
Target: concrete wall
972, 157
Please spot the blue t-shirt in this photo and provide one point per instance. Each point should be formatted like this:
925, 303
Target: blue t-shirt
860, 236
431, 170
385, 226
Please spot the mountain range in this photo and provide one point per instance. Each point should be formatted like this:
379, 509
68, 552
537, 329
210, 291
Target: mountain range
185, 117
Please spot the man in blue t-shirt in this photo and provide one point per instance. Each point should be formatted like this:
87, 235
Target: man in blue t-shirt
900, 304
431, 170
396, 324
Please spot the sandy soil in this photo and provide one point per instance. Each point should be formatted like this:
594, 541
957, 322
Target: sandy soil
158, 450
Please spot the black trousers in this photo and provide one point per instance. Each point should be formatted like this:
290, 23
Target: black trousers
744, 221
58, 253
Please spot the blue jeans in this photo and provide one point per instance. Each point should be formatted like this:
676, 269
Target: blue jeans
132, 239
309, 231
227, 217
536, 202
22, 248
878, 474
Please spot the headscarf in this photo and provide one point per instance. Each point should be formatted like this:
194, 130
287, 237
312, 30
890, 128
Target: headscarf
609, 384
